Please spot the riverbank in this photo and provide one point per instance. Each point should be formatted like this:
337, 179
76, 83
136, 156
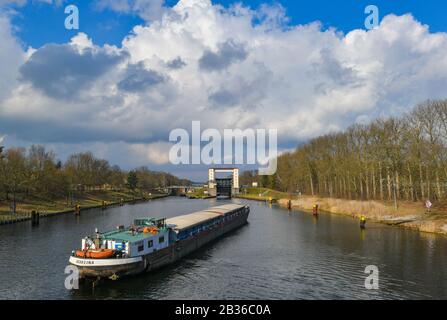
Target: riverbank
87, 200
199, 194
411, 215
263, 194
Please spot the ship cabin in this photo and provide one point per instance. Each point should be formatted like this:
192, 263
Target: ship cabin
183, 227
145, 236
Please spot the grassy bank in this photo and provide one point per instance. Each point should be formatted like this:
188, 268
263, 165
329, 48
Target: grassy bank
199, 194
411, 215
87, 200
263, 194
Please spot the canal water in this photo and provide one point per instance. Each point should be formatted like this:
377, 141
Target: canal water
278, 255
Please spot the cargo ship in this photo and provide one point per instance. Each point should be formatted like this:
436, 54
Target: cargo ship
151, 243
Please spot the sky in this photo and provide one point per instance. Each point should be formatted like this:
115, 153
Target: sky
137, 69
40, 23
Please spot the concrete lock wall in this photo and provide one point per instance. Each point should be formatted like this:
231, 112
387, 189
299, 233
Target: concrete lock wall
213, 182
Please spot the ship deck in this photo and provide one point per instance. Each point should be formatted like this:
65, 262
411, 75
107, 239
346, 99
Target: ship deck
193, 219
180, 222
126, 235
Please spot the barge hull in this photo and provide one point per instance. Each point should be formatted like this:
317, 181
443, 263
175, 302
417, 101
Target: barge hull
162, 257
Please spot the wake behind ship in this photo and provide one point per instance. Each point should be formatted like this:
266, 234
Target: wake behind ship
152, 243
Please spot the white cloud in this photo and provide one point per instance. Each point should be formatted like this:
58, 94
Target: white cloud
302, 80
155, 153
11, 57
82, 41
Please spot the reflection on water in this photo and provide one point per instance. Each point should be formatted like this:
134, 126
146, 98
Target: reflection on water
278, 255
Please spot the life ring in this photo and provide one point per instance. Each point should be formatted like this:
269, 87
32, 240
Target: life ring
151, 230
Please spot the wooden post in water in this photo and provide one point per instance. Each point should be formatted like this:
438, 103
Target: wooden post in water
315, 210
35, 217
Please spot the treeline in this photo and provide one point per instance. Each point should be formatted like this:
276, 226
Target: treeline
249, 177
36, 171
394, 158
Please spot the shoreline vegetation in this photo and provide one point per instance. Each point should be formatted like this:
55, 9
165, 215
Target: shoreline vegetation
34, 180
87, 200
390, 169
411, 215
199, 194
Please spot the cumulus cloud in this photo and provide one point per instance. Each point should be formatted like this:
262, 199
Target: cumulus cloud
140, 79
177, 63
156, 153
11, 57
229, 52
227, 67
62, 71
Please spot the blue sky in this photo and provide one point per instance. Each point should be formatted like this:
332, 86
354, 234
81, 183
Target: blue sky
40, 23
228, 69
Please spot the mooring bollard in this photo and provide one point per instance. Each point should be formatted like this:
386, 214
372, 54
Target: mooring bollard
35, 217
362, 222
77, 211
315, 209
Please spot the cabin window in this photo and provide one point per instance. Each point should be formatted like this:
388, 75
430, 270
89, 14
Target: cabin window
140, 248
161, 240
150, 243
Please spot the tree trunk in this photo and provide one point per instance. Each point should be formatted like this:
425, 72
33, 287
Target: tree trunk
349, 186
367, 184
411, 188
311, 184
340, 191
389, 183
361, 187
421, 181
438, 185
14, 202
374, 183
345, 195
381, 181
